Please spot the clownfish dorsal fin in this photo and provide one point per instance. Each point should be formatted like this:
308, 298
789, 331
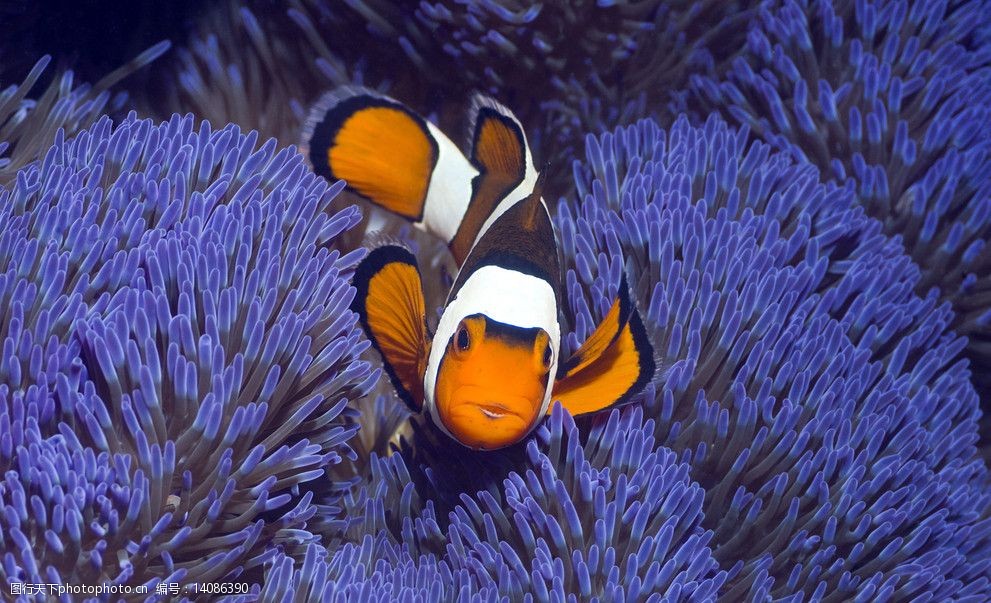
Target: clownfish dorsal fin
391, 156
499, 151
534, 206
389, 303
616, 361
497, 140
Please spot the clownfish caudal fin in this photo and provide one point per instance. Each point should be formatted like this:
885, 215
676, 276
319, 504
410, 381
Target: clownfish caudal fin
384, 151
499, 151
389, 304
616, 361
390, 156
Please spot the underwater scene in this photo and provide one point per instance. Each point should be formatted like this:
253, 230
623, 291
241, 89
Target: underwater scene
494, 300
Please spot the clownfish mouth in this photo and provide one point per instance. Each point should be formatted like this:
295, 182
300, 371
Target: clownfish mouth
486, 425
483, 421
494, 411
475, 399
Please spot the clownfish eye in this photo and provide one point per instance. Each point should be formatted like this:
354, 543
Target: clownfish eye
547, 355
462, 339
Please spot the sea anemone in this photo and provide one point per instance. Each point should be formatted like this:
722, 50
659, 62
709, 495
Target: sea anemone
185, 396
891, 99
819, 400
177, 358
813, 435
545, 44
613, 516
550, 52
259, 66
234, 71
28, 125
569, 68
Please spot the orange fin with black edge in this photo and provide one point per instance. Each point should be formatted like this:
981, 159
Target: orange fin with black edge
499, 151
616, 361
389, 303
497, 141
385, 152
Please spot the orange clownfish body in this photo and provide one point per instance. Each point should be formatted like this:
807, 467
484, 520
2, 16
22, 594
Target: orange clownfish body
490, 370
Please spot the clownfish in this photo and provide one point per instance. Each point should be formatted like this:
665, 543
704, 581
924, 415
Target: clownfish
491, 369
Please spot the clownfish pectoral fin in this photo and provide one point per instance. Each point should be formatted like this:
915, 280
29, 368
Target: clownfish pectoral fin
389, 303
499, 151
616, 361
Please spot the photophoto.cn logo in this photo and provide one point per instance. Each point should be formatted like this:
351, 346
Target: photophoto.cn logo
27, 589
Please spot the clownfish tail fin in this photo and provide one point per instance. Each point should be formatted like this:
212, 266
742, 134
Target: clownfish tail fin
384, 151
390, 307
616, 362
311, 146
